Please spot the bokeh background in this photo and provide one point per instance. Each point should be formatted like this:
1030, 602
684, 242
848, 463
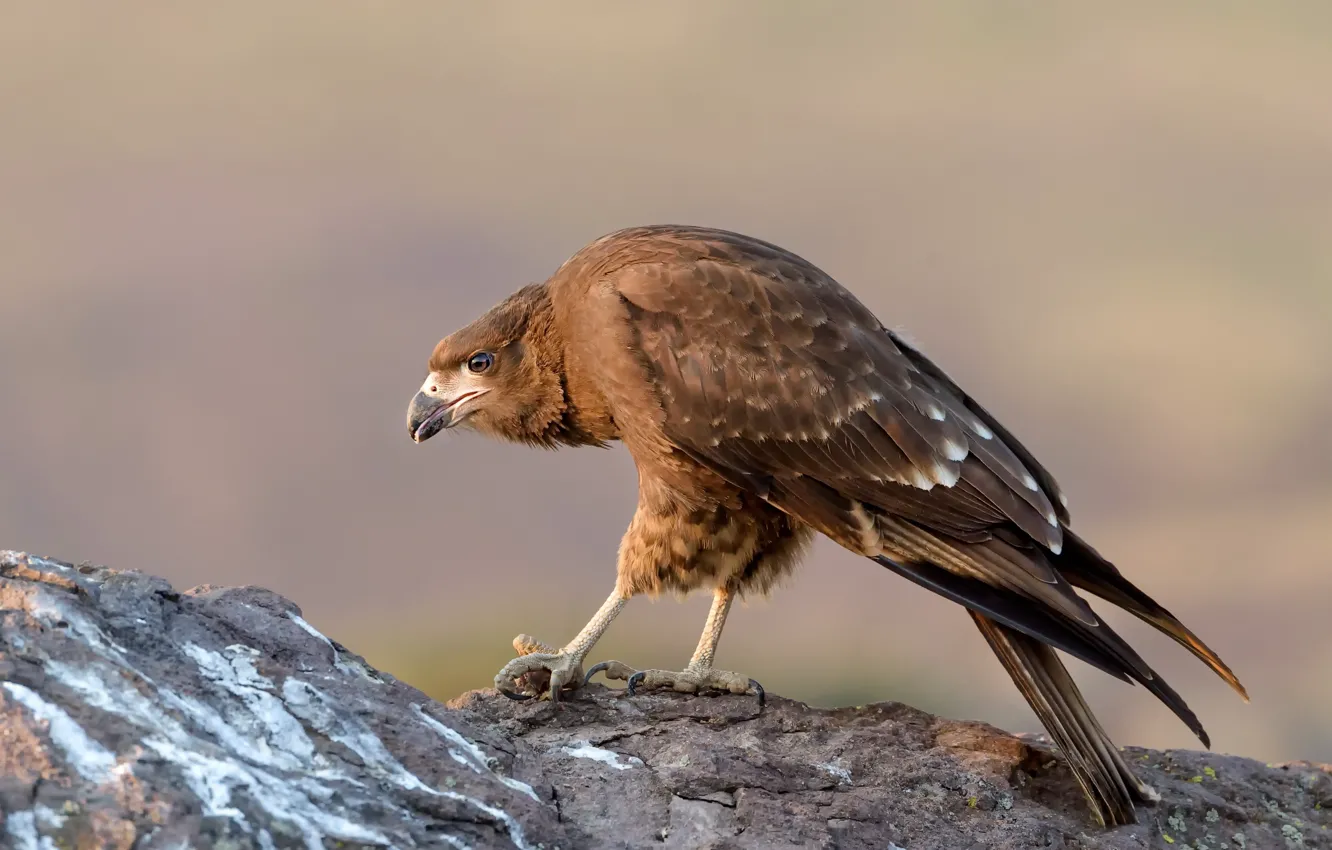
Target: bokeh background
230, 235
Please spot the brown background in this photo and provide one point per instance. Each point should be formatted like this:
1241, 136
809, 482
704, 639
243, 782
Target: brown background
231, 234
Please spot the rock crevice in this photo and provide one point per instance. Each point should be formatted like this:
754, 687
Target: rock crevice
136, 716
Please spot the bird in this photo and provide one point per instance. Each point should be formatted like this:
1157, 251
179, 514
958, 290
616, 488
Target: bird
763, 405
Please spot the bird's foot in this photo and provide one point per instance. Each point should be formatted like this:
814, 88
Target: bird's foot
538, 669
690, 680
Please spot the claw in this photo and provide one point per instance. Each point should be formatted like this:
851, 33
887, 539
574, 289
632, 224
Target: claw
555, 692
758, 689
612, 670
596, 668
536, 670
634, 681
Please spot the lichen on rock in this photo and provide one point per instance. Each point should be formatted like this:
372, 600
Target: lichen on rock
136, 716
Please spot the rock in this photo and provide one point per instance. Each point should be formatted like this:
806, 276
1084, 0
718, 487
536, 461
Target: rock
134, 716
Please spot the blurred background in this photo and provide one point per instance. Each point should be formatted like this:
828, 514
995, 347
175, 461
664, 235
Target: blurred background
231, 234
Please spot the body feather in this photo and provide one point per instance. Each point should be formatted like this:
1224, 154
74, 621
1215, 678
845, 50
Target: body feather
773, 377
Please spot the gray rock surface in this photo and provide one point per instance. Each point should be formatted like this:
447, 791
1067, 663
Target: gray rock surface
136, 716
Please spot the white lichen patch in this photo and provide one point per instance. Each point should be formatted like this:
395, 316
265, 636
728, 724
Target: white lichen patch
312, 706
22, 830
48, 817
214, 781
9, 557
836, 771
261, 728
50, 610
338, 663
468, 754
585, 750
215, 771
351, 733
88, 758
241, 745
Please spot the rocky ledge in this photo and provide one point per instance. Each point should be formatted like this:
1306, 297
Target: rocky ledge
136, 716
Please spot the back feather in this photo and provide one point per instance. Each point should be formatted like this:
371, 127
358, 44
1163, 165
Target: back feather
775, 377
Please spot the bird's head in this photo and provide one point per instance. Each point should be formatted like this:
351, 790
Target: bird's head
500, 375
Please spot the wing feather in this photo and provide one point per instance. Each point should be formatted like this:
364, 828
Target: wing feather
762, 360
778, 379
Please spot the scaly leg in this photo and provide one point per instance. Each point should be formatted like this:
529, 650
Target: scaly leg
699, 674
565, 665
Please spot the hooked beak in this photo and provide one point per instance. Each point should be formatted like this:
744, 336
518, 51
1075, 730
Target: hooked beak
427, 415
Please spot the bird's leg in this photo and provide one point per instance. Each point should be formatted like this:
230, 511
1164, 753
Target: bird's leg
699, 674
565, 665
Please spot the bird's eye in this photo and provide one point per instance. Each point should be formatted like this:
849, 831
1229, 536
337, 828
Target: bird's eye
480, 362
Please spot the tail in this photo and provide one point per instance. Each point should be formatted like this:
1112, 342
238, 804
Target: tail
1084, 567
1047, 686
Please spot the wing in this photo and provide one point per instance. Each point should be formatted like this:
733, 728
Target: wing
767, 367
777, 378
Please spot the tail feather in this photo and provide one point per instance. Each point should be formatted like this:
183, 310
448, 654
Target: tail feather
1084, 567
1045, 683
1099, 646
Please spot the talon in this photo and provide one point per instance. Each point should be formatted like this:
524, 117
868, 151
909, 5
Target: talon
596, 668
758, 689
634, 681
535, 673
611, 669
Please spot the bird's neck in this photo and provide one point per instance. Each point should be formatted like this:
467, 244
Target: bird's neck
585, 418
581, 417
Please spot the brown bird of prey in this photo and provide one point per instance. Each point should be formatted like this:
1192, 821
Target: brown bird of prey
762, 403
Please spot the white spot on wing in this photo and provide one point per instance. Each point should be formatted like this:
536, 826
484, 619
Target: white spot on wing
955, 451
1030, 482
947, 475
917, 479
